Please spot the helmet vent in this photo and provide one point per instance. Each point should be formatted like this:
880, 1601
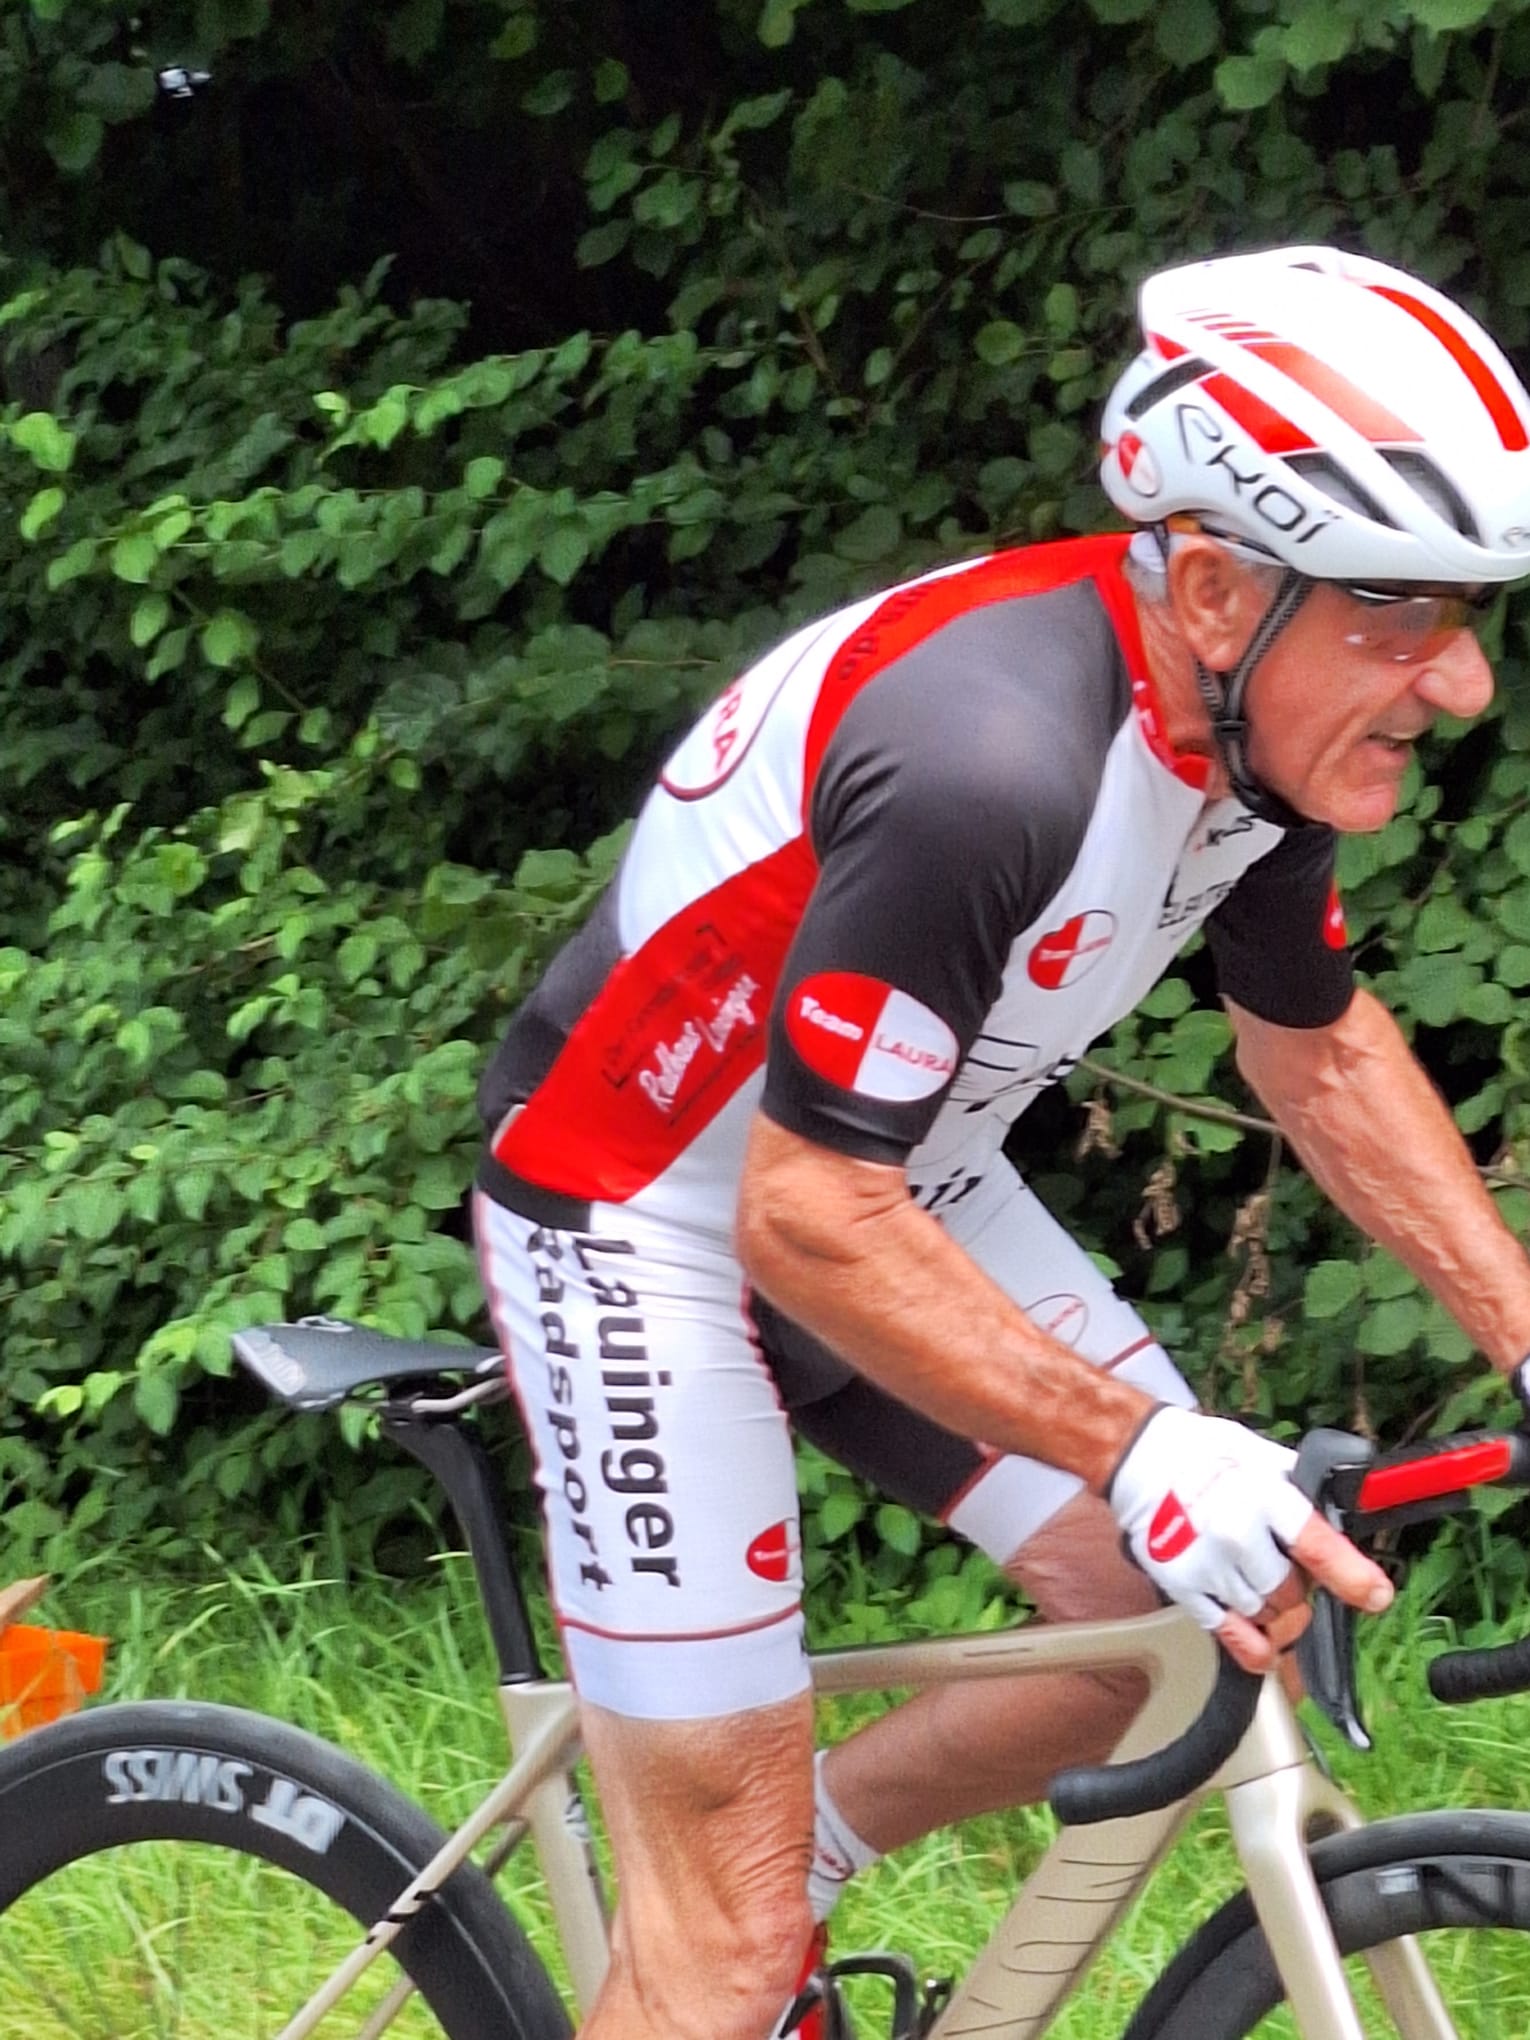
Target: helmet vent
1165, 385
1426, 480
1324, 472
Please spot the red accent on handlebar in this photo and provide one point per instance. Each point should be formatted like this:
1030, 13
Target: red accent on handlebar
1441, 1473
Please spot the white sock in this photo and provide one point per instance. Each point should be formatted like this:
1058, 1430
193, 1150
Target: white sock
838, 1851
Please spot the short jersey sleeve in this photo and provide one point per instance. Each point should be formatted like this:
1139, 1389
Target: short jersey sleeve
940, 835
1278, 939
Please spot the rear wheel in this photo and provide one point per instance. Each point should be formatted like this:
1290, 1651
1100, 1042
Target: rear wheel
1460, 1882
173, 1872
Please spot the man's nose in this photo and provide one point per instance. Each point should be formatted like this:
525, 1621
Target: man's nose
1457, 680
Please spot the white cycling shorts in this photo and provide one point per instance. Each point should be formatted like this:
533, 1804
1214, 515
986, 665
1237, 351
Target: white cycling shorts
663, 1449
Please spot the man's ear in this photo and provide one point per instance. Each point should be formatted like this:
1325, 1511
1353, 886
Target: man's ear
1215, 600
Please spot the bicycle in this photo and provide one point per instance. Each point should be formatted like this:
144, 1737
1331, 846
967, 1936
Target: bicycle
1322, 1884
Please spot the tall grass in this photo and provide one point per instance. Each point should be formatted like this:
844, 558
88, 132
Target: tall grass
400, 1675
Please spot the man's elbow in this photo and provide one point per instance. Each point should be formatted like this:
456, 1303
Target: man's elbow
1281, 1064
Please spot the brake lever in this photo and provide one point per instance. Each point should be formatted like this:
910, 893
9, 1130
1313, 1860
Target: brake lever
1328, 1464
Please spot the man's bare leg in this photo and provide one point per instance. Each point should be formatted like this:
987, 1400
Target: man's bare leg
955, 1751
711, 1823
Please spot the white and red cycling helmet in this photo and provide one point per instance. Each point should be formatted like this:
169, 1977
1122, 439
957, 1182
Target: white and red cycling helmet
1334, 414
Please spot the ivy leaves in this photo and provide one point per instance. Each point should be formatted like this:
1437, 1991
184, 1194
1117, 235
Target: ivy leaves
334, 642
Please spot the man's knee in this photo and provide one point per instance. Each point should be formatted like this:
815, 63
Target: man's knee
711, 1823
1075, 1570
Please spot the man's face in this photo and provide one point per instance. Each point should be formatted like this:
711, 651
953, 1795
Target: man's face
1339, 701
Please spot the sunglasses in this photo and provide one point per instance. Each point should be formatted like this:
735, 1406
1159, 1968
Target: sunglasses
1404, 622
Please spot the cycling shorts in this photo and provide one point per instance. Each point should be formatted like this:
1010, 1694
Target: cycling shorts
656, 1400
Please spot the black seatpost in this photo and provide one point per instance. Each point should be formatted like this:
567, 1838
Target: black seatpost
455, 1455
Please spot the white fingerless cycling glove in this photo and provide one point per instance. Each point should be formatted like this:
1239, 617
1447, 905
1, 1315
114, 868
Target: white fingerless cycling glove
1207, 1511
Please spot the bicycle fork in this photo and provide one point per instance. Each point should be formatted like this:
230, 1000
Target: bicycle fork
1277, 1799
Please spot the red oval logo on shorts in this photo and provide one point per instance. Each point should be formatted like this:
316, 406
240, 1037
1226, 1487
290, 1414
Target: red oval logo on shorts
773, 1554
1062, 1315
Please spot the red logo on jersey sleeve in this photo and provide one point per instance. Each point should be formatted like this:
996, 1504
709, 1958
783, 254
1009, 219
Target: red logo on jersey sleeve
1065, 954
869, 1037
1335, 934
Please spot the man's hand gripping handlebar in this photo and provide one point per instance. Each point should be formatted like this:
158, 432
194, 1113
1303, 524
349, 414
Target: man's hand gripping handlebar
1357, 1496
1210, 1513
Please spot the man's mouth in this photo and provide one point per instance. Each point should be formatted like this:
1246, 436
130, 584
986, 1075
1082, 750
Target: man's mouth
1401, 741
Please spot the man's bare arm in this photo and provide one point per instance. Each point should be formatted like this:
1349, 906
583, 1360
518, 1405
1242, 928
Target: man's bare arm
1376, 1135
840, 1246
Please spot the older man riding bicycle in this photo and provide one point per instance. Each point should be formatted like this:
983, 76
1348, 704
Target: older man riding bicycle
746, 1171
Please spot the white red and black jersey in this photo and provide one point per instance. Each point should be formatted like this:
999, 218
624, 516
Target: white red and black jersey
888, 888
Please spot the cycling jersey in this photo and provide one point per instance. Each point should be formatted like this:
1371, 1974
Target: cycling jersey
888, 888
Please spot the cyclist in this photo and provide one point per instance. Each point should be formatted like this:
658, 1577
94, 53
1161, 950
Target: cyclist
745, 1154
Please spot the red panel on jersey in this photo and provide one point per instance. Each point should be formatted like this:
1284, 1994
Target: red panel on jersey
677, 1028
910, 615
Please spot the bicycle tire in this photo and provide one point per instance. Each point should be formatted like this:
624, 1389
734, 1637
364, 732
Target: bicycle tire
1411, 1875
119, 1777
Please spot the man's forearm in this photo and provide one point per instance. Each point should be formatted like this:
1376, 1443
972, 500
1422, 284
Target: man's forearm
882, 1284
1376, 1135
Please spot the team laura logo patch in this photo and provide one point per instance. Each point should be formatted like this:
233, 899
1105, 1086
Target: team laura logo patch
1065, 954
869, 1038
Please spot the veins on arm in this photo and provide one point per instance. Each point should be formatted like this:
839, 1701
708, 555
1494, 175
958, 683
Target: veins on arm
1377, 1137
839, 1246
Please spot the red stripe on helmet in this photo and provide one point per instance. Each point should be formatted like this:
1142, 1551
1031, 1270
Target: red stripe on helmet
1263, 424
1344, 398
1170, 350
1511, 429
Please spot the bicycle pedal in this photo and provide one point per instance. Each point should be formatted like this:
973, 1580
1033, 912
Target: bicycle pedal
934, 1997
908, 2019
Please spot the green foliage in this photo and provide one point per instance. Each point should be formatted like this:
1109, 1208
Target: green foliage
339, 624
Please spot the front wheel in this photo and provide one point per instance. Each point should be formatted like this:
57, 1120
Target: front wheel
197, 1872
1459, 1881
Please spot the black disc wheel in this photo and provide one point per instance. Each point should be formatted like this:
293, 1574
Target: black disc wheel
187, 1872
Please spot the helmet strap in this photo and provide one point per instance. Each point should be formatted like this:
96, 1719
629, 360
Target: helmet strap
1224, 694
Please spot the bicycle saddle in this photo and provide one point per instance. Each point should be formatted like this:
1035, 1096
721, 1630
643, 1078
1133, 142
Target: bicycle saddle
319, 1362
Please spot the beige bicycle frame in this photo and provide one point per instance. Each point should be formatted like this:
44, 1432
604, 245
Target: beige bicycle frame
1277, 1801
